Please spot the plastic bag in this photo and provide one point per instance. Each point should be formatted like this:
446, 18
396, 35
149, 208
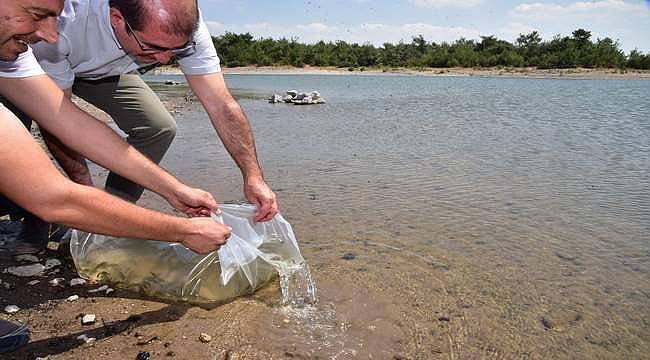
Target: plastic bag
254, 254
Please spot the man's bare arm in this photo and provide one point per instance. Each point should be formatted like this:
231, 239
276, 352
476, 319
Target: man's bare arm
93, 139
235, 132
28, 178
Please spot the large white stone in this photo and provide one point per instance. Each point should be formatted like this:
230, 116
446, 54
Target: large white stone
88, 319
77, 282
27, 270
11, 309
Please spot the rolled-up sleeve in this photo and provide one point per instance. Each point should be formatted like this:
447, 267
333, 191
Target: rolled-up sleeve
24, 66
54, 60
205, 59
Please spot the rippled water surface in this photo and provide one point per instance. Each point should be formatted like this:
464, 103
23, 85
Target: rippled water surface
530, 198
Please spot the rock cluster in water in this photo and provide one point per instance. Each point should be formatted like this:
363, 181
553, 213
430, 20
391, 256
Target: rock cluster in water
298, 98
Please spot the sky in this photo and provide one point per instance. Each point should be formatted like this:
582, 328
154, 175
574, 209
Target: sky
380, 21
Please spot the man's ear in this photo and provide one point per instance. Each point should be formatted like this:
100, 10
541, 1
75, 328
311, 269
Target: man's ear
116, 17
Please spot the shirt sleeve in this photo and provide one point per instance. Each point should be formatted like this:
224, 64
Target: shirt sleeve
205, 59
24, 66
53, 58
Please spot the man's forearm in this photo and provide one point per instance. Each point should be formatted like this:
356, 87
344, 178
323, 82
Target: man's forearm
236, 134
28, 178
58, 115
229, 121
115, 216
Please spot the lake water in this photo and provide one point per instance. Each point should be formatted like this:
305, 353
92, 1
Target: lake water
452, 217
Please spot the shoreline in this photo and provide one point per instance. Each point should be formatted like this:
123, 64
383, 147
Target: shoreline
533, 73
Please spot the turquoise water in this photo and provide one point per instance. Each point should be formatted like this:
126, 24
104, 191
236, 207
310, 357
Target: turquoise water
540, 183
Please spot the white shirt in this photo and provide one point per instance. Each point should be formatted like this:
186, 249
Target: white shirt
88, 49
24, 66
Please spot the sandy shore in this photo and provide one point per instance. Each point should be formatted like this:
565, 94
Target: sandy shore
578, 73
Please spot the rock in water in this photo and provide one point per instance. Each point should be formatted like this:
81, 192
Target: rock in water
275, 98
77, 282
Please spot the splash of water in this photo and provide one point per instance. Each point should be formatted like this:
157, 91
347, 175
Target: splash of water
297, 286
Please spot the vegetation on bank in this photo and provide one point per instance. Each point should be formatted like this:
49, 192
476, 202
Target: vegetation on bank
529, 50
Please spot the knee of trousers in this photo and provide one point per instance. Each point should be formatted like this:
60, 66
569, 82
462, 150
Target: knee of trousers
162, 131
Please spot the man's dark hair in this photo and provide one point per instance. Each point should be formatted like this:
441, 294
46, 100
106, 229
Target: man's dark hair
139, 13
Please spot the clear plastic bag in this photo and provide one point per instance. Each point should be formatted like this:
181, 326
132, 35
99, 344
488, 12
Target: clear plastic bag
254, 254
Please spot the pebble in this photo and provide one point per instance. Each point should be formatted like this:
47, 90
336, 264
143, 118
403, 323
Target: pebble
85, 338
33, 282
11, 309
72, 298
547, 323
57, 282
28, 257
27, 270
77, 282
143, 356
88, 319
51, 263
205, 338
101, 288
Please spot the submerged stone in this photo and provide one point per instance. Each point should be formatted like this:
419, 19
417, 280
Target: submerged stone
205, 338
77, 282
27, 270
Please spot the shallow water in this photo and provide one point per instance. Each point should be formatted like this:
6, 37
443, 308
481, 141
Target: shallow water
487, 217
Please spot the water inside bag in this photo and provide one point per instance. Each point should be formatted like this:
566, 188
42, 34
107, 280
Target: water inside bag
171, 271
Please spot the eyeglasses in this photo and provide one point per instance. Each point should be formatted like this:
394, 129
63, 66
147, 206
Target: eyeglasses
186, 50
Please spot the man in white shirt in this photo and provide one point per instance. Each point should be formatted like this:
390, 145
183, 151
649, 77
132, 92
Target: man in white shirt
102, 46
29, 180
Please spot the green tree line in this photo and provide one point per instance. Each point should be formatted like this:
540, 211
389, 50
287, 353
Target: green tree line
577, 50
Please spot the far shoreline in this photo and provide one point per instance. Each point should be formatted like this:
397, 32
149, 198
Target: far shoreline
528, 72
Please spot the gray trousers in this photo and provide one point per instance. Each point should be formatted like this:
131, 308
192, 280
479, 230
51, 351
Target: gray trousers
137, 111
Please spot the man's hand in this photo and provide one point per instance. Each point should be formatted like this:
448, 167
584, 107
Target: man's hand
260, 194
193, 202
210, 235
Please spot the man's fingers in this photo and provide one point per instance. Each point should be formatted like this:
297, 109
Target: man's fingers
204, 212
206, 200
266, 211
198, 212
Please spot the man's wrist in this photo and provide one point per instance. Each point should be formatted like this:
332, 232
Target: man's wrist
168, 186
